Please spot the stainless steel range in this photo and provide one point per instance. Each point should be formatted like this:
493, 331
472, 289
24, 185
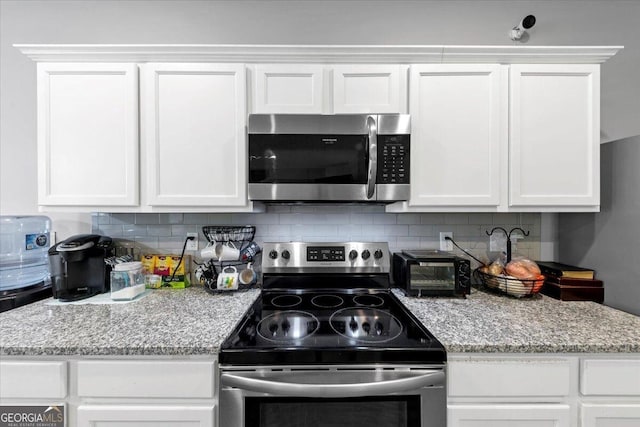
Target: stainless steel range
328, 344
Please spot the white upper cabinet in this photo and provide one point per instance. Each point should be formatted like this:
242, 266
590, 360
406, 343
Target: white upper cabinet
330, 89
458, 134
369, 89
194, 118
554, 135
87, 134
288, 88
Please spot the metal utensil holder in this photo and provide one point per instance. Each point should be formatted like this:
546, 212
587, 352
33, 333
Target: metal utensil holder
240, 236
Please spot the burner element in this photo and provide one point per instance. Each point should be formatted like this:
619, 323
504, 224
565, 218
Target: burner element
288, 326
286, 301
327, 301
368, 300
386, 327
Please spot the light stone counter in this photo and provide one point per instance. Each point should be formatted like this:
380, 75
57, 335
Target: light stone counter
492, 323
166, 322
193, 322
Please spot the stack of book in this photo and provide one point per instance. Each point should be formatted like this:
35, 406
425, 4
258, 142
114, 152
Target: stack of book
570, 283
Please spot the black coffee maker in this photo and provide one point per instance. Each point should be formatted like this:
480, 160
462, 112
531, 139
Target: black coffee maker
77, 266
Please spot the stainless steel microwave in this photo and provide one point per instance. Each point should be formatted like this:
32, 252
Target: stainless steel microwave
334, 158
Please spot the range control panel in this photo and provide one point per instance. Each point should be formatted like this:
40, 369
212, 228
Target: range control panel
335, 257
325, 253
393, 159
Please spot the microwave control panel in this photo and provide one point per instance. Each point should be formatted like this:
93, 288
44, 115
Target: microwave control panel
393, 159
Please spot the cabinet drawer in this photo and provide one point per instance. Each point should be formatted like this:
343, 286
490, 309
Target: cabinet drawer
138, 415
610, 377
530, 415
509, 377
146, 379
33, 380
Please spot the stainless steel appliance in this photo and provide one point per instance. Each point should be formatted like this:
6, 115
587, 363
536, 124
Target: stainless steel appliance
345, 157
431, 273
328, 344
78, 268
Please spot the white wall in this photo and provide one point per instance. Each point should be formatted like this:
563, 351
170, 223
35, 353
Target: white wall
294, 22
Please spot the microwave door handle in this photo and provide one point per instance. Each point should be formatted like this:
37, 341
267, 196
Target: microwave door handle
377, 388
373, 156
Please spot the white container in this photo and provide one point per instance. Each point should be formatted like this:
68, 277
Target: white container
24, 245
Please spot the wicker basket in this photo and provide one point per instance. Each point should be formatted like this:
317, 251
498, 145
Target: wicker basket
510, 285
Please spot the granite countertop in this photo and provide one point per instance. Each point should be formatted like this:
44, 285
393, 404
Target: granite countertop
193, 322
489, 323
165, 322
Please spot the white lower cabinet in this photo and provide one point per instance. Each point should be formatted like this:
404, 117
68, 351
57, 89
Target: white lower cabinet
146, 415
509, 415
610, 415
128, 393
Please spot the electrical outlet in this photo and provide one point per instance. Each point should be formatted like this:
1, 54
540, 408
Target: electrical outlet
192, 245
446, 245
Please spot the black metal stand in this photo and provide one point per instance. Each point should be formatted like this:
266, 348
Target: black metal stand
508, 234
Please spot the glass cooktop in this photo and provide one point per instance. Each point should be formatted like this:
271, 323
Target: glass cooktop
329, 327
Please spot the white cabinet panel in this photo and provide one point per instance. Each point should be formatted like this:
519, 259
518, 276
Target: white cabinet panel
607, 415
554, 135
368, 89
145, 415
458, 141
171, 379
491, 415
87, 134
508, 377
288, 88
33, 380
610, 377
194, 119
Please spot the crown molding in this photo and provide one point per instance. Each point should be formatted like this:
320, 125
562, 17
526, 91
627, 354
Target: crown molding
352, 54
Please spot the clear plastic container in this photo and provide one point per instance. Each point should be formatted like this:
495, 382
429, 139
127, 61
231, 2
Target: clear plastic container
24, 245
127, 281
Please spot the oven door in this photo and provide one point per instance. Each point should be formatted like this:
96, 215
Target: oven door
335, 397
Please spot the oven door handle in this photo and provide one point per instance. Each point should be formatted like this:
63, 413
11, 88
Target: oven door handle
377, 388
373, 156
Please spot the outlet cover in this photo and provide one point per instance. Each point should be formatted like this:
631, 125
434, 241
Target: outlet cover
192, 245
446, 245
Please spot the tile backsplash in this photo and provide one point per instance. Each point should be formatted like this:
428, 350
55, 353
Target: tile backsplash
165, 232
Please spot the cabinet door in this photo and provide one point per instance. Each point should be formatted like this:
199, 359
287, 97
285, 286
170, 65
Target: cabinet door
458, 134
369, 89
87, 134
509, 415
193, 134
603, 415
554, 135
152, 415
288, 88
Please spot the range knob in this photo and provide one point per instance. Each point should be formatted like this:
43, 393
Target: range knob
286, 254
273, 254
353, 325
379, 328
353, 254
366, 327
366, 254
377, 254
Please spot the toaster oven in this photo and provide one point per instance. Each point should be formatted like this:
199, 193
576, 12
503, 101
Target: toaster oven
431, 273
